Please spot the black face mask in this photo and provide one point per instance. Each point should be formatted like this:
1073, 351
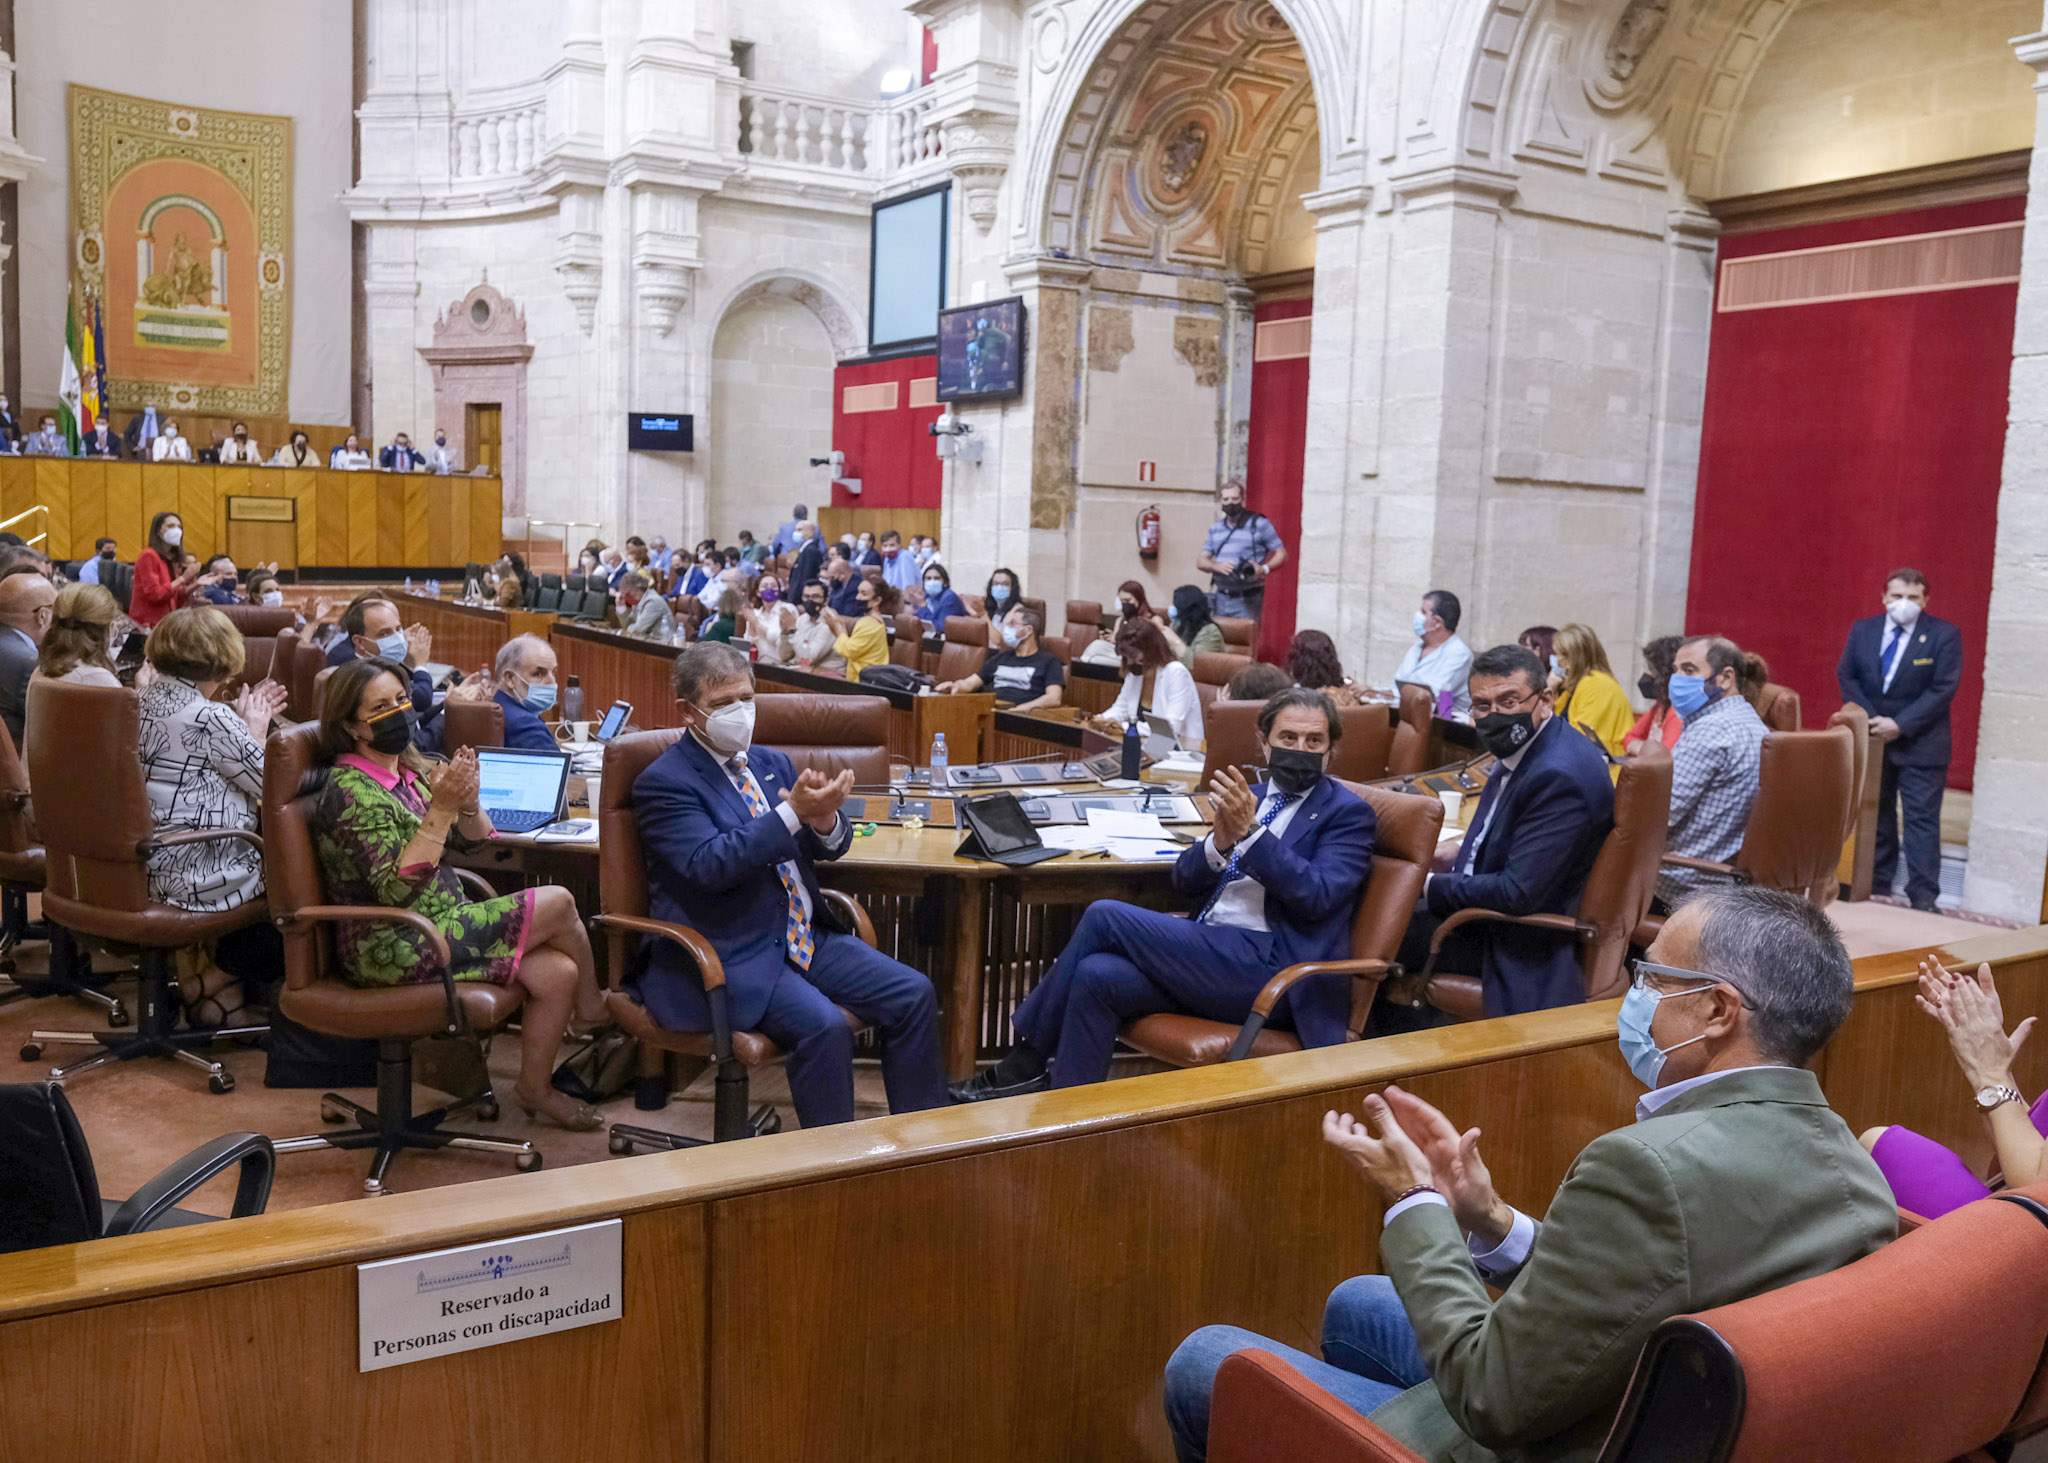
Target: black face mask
1650, 687
814, 607
107, 554
1234, 512
391, 733
1506, 734
1293, 771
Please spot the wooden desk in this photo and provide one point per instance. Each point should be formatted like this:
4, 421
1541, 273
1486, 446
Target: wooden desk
1101, 1223
468, 636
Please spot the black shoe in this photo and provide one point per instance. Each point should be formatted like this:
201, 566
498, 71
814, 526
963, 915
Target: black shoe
983, 1087
1930, 907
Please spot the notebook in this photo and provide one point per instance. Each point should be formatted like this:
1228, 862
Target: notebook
519, 790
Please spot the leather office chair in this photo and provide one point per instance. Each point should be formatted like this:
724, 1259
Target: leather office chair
622, 893
471, 724
302, 698
1778, 706
98, 836
260, 621
1038, 607
1213, 670
121, 584
906, 645
1262, 1409
1612, 906
1864, 774
52, 1196
1403, 844
1410, 753
1231, 738
316, 997
22, 864
1805, 791
965, 649
827, 733
1237, 633
1084, 624
1060, 646
547, 599
573, 584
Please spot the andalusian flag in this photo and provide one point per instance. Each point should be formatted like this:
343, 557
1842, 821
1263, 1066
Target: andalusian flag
68, 395
89, 375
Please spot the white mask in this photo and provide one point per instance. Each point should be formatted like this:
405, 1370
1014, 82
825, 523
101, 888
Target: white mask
174, 535
273, 597
1904, 613
729, 729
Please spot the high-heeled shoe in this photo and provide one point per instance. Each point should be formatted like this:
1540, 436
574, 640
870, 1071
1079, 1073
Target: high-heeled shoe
563, 1112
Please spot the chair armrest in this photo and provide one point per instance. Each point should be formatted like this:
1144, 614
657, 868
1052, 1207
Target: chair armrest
377, 913
855, 914
1279, 985
1705, 866
709, 967
252, 1151
198, 835
1457, 919
476, 883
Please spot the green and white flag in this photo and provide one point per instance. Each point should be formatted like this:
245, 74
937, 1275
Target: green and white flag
69, 392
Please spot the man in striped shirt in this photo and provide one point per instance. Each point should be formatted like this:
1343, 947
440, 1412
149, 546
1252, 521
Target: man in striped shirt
1714, 766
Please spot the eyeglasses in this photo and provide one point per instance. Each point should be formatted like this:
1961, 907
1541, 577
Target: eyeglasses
1642, 970
1506, 707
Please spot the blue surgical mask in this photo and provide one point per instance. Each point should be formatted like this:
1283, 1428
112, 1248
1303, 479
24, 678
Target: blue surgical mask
1010, 636
1556, 669
392, 646
1420, 622
1638, 1048
934, 586
1690, 696
539, 697
1000, 593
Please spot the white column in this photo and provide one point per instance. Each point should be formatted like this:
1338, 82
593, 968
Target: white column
2009, 817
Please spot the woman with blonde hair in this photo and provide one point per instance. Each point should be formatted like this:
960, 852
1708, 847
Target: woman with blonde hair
75, 649
1590, 698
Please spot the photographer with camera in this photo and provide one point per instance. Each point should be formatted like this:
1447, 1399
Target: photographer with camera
1242, 549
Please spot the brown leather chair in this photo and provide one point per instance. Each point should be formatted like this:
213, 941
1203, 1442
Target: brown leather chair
827, 733
1213, 670
965, 649
1060, 646
1231, 738
472, 724
1404, 841
98, 836
1611, 907
21, 874
302, 699
1038, 607
260, 622
1805, 791
622, 893
1410, 753
906, 646
395, 1017
1237, 633
1863, 786
1778, 706
1084, 624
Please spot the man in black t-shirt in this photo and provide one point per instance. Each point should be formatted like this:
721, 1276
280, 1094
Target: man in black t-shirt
1023, 674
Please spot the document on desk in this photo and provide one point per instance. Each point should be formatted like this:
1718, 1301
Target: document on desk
1144, 850
1117, 823
1074, 838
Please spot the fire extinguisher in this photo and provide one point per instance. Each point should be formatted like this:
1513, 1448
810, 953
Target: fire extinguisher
1148, 532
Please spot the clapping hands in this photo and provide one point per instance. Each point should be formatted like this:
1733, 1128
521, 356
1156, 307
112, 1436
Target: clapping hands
1969, 1010
817, 798
453, 784
1416, 1146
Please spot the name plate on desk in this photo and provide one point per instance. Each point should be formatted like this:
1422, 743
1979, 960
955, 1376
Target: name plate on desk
418, 1306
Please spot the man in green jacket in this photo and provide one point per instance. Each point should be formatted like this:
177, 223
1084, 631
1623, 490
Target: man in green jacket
1735, 1179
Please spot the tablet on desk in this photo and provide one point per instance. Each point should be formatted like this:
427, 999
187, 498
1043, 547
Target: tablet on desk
614, 721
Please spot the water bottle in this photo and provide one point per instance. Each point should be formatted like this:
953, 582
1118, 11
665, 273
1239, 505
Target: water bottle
939, 760
408, 584
572, 701
1134, 762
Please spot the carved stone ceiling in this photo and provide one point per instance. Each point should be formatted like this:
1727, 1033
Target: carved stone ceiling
1200, 111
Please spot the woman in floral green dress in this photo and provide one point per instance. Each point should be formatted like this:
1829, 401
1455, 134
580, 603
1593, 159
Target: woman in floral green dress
383, 822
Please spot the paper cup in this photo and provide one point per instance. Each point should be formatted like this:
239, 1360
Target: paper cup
590, 790
581, 730
1453, 802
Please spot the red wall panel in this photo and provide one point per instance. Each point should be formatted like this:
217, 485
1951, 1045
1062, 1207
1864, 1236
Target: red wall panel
891, 452
1279, 433
1842, 441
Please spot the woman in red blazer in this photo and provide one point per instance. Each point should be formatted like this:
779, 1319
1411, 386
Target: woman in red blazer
160, 586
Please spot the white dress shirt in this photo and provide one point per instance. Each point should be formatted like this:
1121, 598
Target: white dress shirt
170, 449
1242, 904
1904, 635
233, 451
1446, 668
1173, 697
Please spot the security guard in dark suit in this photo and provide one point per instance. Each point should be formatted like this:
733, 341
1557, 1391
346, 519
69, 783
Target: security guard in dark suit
1902, 667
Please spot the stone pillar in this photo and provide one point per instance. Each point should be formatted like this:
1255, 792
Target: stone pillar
2009, 818
398, 380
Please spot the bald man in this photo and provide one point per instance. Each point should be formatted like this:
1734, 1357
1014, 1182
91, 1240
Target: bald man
526, 688
26, 598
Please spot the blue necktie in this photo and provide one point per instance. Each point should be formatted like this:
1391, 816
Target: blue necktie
1230, 874
1891, 651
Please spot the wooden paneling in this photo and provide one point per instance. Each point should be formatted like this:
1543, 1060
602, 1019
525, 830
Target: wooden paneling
486, 522
127, 522
330, 517
832, 522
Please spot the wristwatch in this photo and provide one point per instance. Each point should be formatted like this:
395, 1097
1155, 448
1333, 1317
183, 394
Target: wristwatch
1989, 1098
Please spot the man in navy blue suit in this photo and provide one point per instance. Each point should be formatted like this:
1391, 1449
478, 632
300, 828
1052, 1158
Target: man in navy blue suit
1528, 847
526, 687
729, 833
1275, 883
1902, 667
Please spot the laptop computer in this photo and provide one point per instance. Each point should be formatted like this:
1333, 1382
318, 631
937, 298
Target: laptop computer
521, 790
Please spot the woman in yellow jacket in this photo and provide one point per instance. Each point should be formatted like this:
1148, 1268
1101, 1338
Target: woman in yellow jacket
865, 641
1588, 696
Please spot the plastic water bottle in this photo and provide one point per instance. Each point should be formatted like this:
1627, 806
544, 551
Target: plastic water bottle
1134, 761
572, 701
939, 760
408, 584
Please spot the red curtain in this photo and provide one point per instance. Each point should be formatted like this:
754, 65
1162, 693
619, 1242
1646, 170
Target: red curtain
891, 452
1279, 432
1842, 441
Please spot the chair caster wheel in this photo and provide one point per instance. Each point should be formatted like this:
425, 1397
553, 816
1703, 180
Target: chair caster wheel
373, 1188
31, 1050
527, 1162
221, 1084
117, 1015
332, 1115
620, 1143
487, 1110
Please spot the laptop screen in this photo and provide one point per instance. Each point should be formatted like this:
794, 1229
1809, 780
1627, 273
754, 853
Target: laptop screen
526, 782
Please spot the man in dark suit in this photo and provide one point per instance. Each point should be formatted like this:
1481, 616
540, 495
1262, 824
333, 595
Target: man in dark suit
729, 833
810, 558
1528, 847
1902, 667
26, 598
526, 687
102, 440
1274, 884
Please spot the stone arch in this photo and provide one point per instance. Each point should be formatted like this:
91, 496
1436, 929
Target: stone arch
840, 320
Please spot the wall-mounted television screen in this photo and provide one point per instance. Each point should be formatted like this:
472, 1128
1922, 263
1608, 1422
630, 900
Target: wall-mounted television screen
981, 350
660, 431
907, 269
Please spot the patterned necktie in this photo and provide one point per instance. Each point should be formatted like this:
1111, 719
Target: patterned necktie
1230, 874
797, 934
1891, 650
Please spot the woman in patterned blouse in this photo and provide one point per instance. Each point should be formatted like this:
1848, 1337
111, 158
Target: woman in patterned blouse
202, 766
383, 823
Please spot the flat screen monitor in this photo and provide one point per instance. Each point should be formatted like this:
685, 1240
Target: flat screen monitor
512, 779
981, 350
907, 269
660, 431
